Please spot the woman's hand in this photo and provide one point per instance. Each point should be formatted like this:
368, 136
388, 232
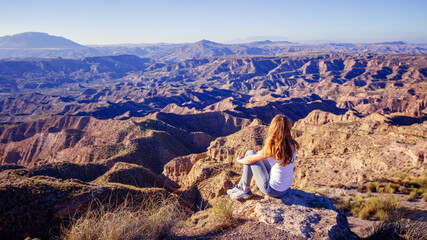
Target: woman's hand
251, 158
239, 159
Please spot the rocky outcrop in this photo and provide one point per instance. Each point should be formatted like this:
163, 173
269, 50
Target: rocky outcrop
213, 123
298, 214
318, 117
147, 142
33, 203
351, 151
178, 168
131, 174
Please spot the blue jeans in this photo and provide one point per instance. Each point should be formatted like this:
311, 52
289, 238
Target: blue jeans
261, 172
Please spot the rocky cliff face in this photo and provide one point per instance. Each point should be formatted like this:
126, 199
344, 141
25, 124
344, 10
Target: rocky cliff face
352, 151
150, 143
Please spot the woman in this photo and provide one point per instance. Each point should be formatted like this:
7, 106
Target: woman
273, 166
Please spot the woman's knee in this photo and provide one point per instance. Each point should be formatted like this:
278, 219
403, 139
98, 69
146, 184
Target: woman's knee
250, 152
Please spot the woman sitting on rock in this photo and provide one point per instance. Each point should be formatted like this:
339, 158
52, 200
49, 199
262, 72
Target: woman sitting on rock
273, 166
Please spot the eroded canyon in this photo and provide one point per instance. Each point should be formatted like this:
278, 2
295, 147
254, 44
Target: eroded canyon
358, 117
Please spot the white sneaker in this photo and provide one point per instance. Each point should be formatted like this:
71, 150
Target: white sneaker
232, 190
241, 194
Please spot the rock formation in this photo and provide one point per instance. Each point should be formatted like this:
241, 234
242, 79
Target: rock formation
37, 200
298, 214
150, 143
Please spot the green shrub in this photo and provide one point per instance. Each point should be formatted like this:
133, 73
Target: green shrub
401, 175
376, 208
413, 194
421, 181
344, 205
391, 187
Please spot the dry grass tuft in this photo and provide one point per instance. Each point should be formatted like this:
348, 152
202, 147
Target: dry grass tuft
399, 229
378, 208
374, 208
222, 211
151, 220
412, 186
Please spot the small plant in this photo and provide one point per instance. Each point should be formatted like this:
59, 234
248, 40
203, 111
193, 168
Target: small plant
403, 190
372, 186
413, 194
361, 187
338, 185
348, 186
401, 175
391, 187
222, 210
344, 205
421, 181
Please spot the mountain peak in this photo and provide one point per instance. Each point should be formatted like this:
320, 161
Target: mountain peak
36, 40
391, 43
204, 41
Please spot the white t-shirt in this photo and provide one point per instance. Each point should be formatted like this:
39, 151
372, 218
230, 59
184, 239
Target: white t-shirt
281, 177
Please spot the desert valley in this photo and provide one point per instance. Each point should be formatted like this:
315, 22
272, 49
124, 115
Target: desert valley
164, 124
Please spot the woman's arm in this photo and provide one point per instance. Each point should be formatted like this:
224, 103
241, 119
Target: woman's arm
252, 158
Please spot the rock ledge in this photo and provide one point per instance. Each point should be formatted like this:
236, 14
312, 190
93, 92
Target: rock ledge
299, 213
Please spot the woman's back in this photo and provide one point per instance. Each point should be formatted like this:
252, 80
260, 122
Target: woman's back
281, 176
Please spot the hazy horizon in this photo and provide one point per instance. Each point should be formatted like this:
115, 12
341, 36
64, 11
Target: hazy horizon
135, 22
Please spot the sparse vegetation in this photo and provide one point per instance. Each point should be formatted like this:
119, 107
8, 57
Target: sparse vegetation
399, 229
414, 187
151, 220
372, 208
343, 205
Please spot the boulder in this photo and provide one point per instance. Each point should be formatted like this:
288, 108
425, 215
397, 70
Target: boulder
299, 214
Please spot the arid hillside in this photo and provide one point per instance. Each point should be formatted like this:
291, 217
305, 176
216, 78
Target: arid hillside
124, 86
110, 126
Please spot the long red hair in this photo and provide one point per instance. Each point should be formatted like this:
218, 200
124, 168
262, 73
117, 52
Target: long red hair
279, 143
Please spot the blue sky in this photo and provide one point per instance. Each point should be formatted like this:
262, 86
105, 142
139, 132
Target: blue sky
174, 21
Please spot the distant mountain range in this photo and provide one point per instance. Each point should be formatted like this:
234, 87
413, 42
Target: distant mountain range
36, 40
43, 45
